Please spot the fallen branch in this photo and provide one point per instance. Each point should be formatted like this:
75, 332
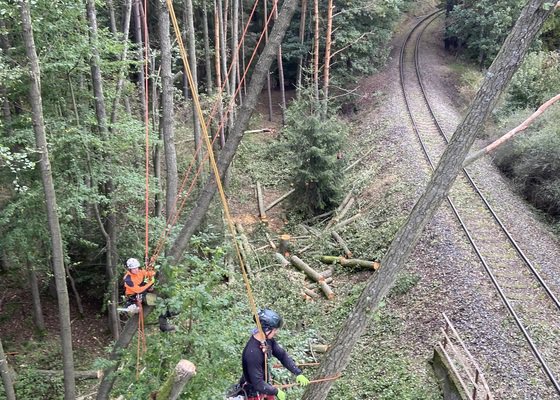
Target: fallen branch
278, 200
272, 245
263, 130
341, 210
244, 248
350, 262
342, 244
317, 277
260, 200
81, 375
524, 125
282, 260
348, 168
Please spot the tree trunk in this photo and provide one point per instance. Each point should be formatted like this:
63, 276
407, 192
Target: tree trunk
121, 344
166, 119
6, 113
226, 156
140, 55
327, 59
112, 22
502, 69
38, 319
217, 55
302, 41
50, 200
6, 376
123, 57
268, 89
194, 71
207, 54
101, 116
316, 52
280, 71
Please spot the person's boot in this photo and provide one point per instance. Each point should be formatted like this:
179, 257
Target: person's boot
164, 325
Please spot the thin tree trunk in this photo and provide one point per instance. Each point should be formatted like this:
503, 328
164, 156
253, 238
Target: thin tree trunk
123, 57
6, 113
301, 40
112, 22
499, 75
38, 319
6, 376
217, 55
140, 54
194, 72
166, 119
207, 54
316, 52
280, 70
51, 205
268, 88
101, 115
226, 156
222, 16
327, 59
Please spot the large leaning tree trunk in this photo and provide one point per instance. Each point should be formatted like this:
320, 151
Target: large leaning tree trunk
50, 200
245, 111
498, 76
6, 376
166, 119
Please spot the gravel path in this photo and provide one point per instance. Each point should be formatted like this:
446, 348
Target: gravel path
452, 278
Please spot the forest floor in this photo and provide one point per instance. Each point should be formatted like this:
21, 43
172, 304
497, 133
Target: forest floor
448, 277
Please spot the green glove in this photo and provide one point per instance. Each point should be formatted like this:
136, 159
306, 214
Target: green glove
302, 380
281, 395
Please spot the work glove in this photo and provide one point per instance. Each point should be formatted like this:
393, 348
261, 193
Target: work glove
302, 380
281, 395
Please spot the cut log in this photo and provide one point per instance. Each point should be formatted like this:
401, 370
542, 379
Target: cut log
260, 199
317, 277
279, 199
176, 381
350, 262
282, 260
244, 248
342, 244
319, 348
327, 273
310, 293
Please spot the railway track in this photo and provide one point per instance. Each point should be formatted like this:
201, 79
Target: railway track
529, 300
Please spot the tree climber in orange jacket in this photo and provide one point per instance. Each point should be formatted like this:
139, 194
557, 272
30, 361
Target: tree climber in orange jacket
137, 283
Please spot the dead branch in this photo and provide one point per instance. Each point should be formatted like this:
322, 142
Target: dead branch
350, 262
263, 130
272, 245
260, 200
524, 125
342, 244
279, 199
244, 247
346, 222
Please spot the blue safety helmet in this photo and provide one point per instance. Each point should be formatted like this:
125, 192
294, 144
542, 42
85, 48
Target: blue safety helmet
270, 319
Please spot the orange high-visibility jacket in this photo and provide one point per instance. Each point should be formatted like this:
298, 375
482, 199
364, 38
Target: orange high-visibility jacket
139, 282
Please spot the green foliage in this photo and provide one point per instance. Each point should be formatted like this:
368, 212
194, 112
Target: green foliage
32, 385
536, 81
532, 161
482, 26
313, 143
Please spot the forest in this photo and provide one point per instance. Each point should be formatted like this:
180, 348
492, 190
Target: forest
162, 130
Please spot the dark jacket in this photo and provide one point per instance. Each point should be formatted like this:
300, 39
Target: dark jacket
252, 361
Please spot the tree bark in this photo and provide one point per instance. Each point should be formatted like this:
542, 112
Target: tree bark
194, 72
326, 70
6, 376
175, 383
121, 344
302, 41
268, 89
107, 187
50, 200
508, 60
316, 51
38, 319
166, 119
226, 156
207, 54
123, 57
6, 112
280, 71
140, 55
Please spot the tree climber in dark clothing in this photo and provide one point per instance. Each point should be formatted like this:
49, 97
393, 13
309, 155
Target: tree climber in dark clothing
255, 355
